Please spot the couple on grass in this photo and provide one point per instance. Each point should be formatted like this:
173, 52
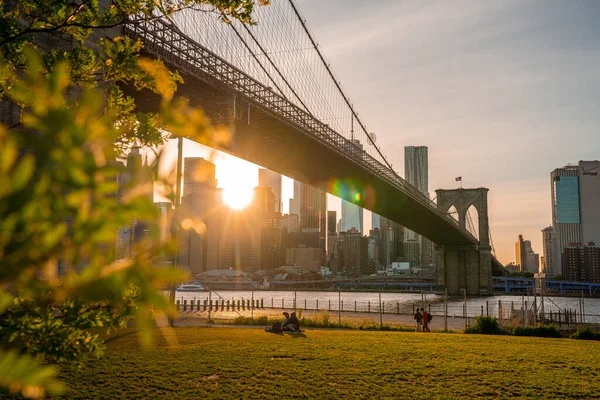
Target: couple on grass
423, 318
290, 323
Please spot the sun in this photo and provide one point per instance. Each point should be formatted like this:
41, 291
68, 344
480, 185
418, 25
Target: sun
238, 197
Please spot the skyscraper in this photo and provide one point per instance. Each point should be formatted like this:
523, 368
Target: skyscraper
137, 176
271, 253
521, 254
575, 191
198, 173
416, 167
352, 216
416, 172
199, 216
375, 221
268, 178
297, 199
355, 253
548, 265
313, 214
331, 222
526, 258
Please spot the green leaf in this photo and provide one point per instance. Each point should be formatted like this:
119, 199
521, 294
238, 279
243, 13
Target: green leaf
24, 374
23, 172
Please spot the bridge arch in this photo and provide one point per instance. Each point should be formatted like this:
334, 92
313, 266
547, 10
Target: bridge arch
473, 221
463, 199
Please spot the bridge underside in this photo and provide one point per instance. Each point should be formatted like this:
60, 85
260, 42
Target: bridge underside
262, 138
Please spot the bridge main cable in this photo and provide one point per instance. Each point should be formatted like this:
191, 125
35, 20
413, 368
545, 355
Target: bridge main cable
348, 103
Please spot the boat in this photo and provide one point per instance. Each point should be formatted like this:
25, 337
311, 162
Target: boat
190, 287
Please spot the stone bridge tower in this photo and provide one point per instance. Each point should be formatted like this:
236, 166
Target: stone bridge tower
466, 267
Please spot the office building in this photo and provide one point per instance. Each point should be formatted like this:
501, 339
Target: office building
375, 247
136, 175
355, 253
521, 254
525, 257
270, 179
416, 172
582, 263
331, 222
575, 190
291, 222
548, 264
352, 216
308, 258
313, 215
391, 242
412, 252
199, 217
416, 167
198, 174
375, 221
297, 199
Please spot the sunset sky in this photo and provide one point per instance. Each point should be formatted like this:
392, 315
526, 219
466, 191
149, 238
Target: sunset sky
502, 92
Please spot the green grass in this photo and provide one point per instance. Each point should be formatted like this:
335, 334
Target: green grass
249, 363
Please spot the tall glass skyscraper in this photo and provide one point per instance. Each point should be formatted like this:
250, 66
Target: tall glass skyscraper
416, 172
416, 167
352, 217
575, 191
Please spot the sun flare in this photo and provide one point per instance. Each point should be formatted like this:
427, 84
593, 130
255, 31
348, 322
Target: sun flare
237, 197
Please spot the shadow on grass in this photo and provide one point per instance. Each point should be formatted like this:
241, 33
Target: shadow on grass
124, 333
296, 335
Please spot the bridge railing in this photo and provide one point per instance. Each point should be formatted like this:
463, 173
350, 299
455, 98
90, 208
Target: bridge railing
163, 39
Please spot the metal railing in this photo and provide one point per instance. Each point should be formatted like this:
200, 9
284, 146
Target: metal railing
165, 40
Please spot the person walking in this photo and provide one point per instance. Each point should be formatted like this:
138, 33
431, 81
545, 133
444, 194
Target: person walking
425, 316
419, 318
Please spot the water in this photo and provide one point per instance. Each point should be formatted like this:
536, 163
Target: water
403, 303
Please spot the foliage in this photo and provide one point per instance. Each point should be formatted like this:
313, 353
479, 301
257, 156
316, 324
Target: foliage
528, 275
548, 331
58, 179
486, 326
586, 334
348, 364
58, 207
105, 63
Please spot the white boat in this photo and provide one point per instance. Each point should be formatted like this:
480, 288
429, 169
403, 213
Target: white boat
191, 287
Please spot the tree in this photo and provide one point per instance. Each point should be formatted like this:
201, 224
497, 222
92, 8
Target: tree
58, 180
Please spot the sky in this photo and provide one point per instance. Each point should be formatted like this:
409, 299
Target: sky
502, 93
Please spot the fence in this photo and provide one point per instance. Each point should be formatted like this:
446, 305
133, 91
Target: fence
447, 315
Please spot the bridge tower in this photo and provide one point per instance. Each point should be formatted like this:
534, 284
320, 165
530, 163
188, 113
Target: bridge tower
466, 267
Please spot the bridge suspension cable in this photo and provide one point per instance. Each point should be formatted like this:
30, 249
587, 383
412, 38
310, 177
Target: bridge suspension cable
338, 86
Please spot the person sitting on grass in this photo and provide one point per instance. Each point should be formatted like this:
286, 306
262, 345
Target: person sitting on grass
295, 322
286, 325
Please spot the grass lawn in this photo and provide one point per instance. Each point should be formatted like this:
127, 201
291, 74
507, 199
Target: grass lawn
199, 363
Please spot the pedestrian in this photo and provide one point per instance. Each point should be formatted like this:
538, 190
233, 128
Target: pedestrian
425, 316
418, 317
